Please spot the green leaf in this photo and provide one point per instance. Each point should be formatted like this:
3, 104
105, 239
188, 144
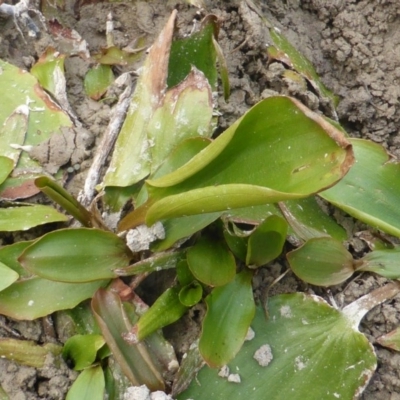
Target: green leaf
322, 262
156, 263
27, 352
97, 81
196, 50
49, 70
237, 244
211, 262
137, 361
186, 112
305, 350
286, 53
230, 310
290, 153
9, 256
370, 191
18, 85
183, 274
89, 385
165, 310
76, 255
382, 262
82, 350
148, 96
6, 166
36, 297
7, 276
266, 242
13, 133
308, 221
191, 294
58, 194
24, 217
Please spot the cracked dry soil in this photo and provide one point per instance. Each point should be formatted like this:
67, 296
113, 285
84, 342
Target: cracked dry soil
355, 47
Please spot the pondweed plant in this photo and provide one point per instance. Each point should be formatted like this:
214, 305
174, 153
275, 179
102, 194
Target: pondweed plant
191, 195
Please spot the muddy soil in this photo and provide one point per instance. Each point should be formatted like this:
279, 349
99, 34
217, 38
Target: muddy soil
355, 47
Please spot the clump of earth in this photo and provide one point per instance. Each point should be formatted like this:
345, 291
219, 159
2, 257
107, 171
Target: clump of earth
355, 48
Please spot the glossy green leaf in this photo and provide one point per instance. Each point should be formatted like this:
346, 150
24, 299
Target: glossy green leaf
322, 262
305, 350
278, 150
196, 50
97, 81
76, 255
370, 191
165, 310
230, 310
135, 359
28, 216
27, 352
382, 262
308, 221
36, 297
266, 242
89, 385
82, 350
191, 294
211, 262
6, 166
7, 276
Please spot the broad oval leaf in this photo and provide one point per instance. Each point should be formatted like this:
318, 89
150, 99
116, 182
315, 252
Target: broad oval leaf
278, 150
33, 298
370, 191
25, 217
322, 262
211, 262
266, 242
90, 385
76, 255
305, 350
230, 310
